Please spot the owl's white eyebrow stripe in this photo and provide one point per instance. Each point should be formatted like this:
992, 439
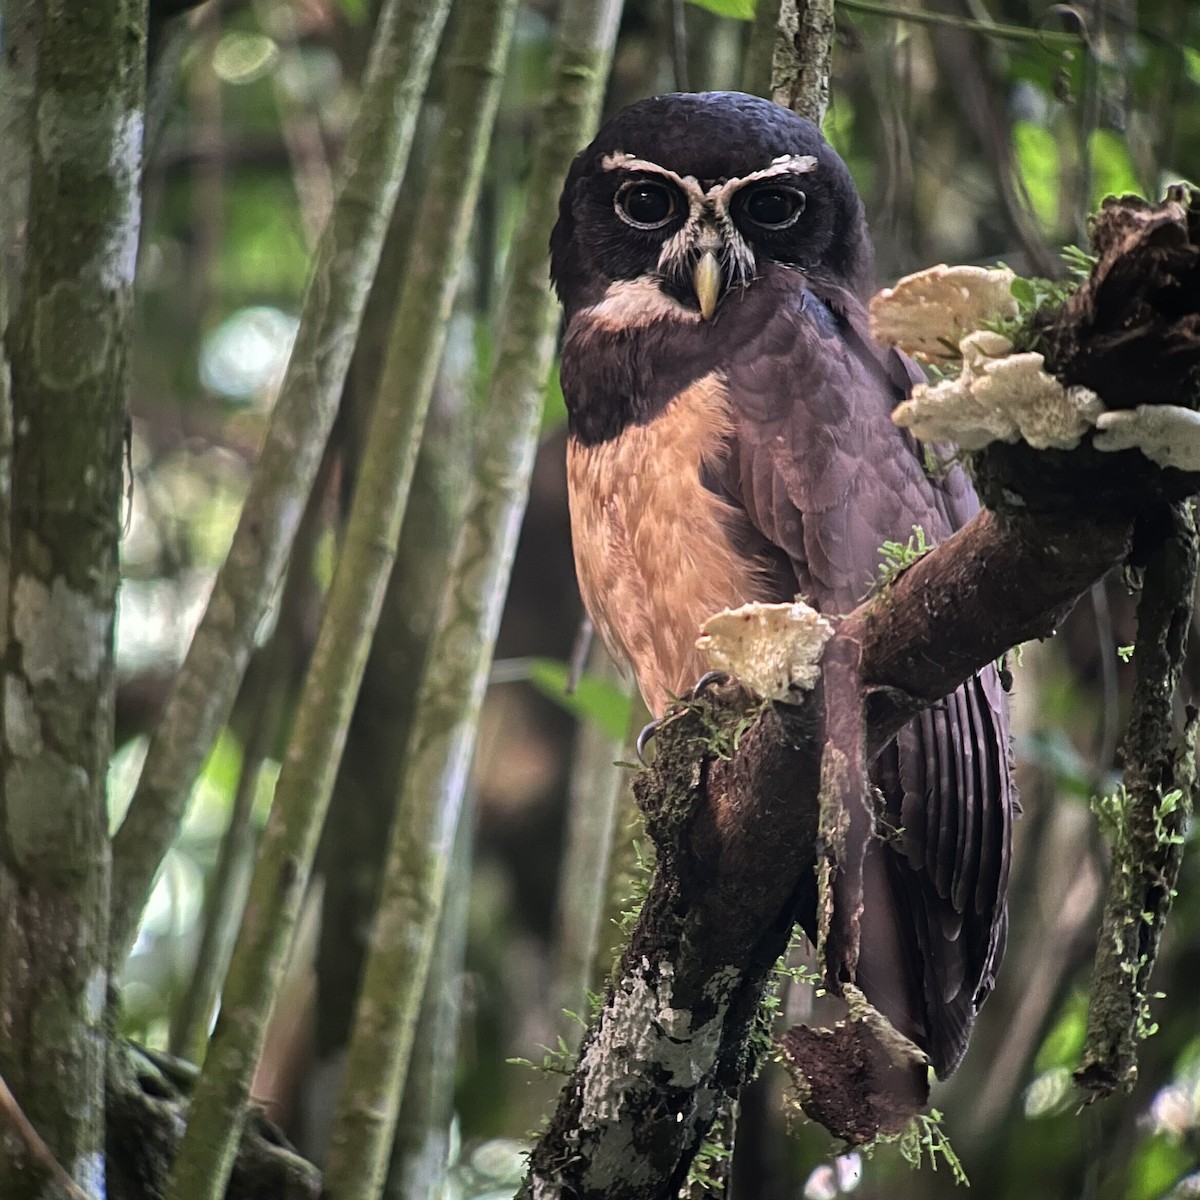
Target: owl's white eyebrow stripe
785, 164
688, 184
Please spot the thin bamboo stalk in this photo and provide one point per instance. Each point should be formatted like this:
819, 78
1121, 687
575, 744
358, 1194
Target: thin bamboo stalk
592, 805
272, 679
375, 161
452, 690
421, 1151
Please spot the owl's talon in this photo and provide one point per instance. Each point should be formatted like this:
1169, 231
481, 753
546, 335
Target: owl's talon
707, 680
643, 740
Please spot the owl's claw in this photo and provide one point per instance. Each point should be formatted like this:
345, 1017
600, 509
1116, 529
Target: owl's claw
707, 680
643, 740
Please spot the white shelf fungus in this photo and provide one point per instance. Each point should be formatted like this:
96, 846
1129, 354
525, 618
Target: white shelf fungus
999, 396
773, 648
925, 314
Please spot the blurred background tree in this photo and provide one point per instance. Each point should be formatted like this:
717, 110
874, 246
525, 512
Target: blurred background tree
978, 132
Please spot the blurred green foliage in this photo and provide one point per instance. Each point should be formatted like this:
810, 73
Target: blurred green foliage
967, 148
591, 699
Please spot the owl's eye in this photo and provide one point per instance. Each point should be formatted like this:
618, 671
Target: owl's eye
773, 206
646, 205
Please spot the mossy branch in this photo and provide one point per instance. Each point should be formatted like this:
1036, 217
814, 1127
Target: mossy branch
1146, 820
375, 160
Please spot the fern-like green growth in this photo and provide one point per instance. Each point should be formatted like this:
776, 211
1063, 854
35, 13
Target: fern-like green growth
707, 1167
925, 1139
1037, 297
898, 556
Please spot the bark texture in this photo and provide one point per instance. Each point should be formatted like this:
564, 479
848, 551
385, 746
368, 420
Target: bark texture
67, 346
1147, 819
802, 58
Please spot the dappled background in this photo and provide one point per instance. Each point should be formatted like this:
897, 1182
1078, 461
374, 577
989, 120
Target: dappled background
978, 132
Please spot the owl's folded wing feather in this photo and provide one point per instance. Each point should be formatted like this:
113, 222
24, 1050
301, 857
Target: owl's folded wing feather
825, 476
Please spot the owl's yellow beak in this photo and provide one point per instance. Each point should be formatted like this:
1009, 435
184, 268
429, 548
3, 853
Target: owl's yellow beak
707, 280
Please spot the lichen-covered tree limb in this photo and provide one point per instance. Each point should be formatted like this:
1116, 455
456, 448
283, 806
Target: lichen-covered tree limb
375, 160
443, 738
67, 343
1147, 818
801, 63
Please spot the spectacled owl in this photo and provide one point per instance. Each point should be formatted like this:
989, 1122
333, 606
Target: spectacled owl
730, 440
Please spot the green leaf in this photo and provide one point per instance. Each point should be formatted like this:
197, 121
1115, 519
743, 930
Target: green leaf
554, 407
1063, 1044
1023, 291
1191, 59
594, 699
1157, 1164
738, 10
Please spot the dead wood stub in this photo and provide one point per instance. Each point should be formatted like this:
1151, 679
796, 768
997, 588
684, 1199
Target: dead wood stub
847, 816
853, 1082
1132, 332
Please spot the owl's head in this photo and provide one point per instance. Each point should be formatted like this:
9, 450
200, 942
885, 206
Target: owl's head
686, 196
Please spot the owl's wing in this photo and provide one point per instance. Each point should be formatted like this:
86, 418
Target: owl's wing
824, 474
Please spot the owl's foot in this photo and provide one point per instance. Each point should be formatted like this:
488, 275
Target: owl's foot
707, 680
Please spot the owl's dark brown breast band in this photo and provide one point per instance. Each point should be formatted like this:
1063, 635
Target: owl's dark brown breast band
621, 367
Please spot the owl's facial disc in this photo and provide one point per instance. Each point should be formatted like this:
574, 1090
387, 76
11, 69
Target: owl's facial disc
706, 228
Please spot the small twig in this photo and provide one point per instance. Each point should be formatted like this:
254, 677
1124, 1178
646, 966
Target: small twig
1015, 33
32, 1139
679, 57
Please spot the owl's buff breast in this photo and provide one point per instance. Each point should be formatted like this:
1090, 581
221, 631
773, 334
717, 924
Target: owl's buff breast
652, 548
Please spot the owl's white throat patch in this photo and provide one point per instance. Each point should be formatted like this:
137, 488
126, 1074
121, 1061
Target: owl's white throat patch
634, 303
